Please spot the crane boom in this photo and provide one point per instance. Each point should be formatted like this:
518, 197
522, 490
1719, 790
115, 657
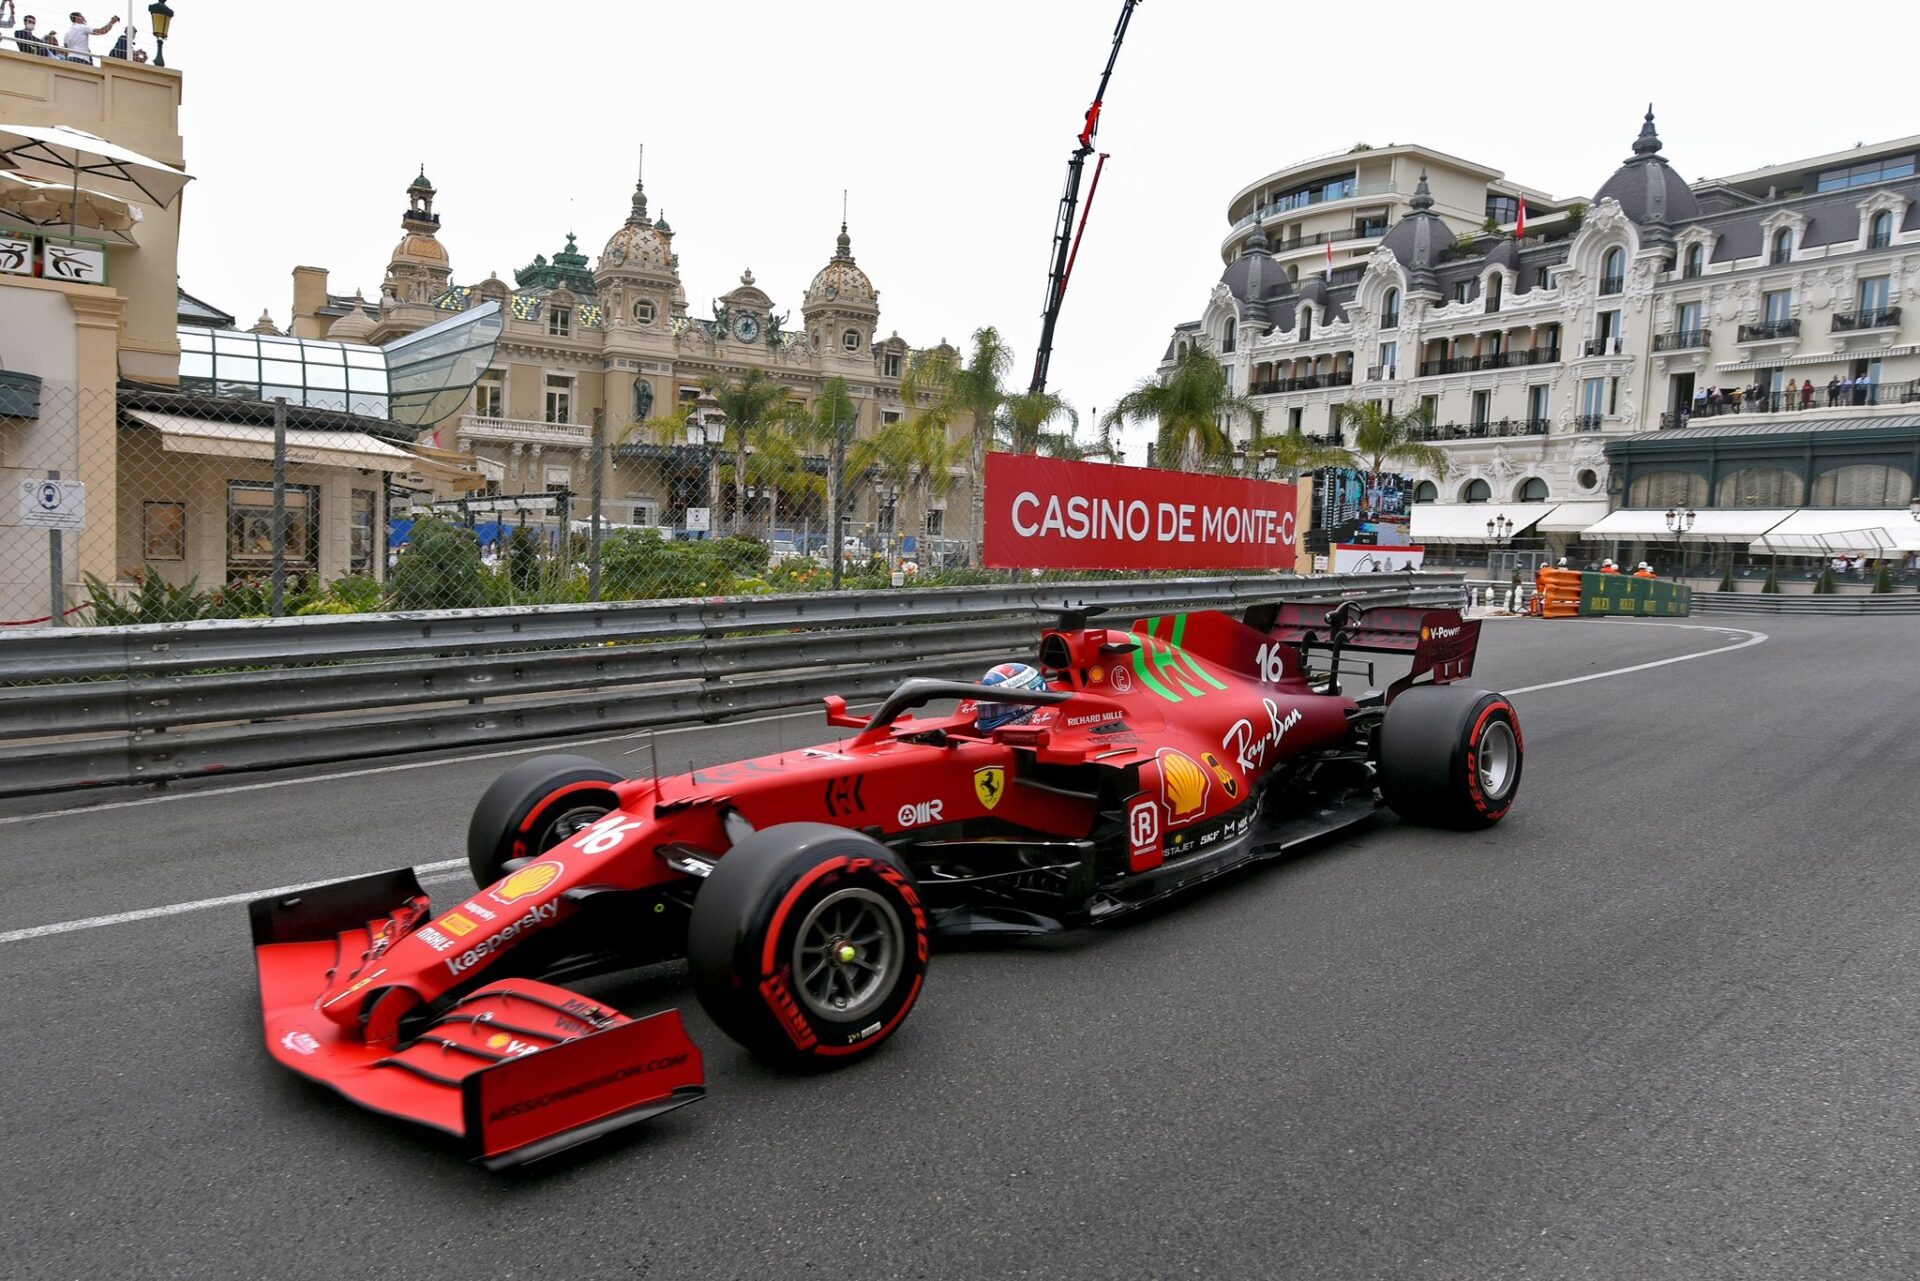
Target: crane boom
1066, 241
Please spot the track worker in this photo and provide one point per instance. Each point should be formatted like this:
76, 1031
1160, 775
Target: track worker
1608, 567
1645, 571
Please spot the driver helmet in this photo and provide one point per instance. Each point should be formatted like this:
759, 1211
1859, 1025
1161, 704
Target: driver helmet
1014, 676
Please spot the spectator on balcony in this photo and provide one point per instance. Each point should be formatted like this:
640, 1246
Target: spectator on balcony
1861, 390
1806, 393
79, 45
1715, 399
30, 40
1833, 391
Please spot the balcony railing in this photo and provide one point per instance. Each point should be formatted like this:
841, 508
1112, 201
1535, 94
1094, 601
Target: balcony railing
1308, 382
1601, 346
1390, 321
1587, 422
1612, 284
1871, 318
1835, 394
1880, 240
1317, 196
1382, 373
1770, 329
1491, 360
1487, 430
1681, 339
526, 431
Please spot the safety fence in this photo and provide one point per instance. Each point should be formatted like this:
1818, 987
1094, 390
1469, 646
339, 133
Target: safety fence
151, 703
1883, 604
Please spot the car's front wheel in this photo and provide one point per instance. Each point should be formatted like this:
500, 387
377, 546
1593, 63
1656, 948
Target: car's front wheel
533, 807
808, 944
1450, 757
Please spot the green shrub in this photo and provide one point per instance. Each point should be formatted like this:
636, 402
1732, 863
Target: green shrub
1883, 581
440, 569
153, 600
1726, 583
1772, 585
1823, 586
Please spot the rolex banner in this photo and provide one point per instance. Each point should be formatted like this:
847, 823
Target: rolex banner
1047, 513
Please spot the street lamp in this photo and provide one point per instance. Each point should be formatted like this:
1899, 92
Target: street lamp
1913, 508
1679, 521
160, 20
1499, 529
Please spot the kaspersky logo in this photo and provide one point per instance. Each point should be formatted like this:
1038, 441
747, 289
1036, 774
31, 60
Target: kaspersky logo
538, 915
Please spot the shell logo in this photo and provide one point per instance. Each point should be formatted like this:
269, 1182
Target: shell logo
1183, 785
1426, 633
530, 879
499, 1041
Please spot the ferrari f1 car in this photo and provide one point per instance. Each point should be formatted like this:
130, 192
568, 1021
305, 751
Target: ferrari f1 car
805, 888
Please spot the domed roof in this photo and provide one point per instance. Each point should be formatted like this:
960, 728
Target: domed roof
639, 244
354, 326
1253, 277
1419, 239
421, 183
418, 247
840, 282
1649, 192
1505, 255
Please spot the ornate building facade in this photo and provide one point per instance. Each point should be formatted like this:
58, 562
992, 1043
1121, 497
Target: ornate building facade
593, 348
1549, 364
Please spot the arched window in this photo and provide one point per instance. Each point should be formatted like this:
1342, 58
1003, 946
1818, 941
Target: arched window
1181, 351
1759, 487
1668, 489
1390, 310
1476, 491
1226, 336
1533, 490
1863, 485
1695, 262
1613, 270
1426, 492
1495, 284
1783, 245
1306, 323
1880, 230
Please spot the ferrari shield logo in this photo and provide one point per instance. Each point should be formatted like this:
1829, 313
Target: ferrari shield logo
989, 785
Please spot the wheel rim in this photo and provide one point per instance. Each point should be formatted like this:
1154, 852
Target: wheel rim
847, 954
1498, 758
569, 823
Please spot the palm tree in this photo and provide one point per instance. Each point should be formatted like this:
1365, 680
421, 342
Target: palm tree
914, 457
755, 406
1381, 436
1192, 405
975, 390
1023, 428
1293, 450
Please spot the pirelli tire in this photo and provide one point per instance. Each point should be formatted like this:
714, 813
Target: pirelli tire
808, 945
1450, 757
533, 807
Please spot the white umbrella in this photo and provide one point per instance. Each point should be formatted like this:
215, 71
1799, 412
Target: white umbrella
43, 202
112, 169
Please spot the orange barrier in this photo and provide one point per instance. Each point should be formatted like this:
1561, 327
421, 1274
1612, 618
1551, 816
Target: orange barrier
1560, 593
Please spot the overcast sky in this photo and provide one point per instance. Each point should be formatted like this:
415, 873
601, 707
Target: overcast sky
950, 124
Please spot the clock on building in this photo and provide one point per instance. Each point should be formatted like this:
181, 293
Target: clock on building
746, 328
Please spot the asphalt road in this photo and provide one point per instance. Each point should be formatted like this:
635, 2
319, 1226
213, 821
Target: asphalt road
1660, 1023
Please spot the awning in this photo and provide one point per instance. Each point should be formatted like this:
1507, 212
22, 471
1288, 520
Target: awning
1816, 358
44, 204
1722, 525
1467, 522
447, 467
306, 446
1573, 518
1827, 531
107, 166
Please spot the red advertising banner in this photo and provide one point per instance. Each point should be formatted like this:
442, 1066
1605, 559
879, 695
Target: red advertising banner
1047, 513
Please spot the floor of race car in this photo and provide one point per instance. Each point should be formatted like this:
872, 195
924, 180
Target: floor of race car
1659, 1024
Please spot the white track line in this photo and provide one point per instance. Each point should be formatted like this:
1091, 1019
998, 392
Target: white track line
546, 745
444, 867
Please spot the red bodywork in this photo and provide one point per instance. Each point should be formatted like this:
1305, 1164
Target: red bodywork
370, 990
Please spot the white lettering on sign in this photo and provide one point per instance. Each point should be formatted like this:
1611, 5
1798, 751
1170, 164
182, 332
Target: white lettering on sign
53, 504
1083, 519
1251, 751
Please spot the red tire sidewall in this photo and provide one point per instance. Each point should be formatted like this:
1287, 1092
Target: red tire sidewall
1492, 710
769, 962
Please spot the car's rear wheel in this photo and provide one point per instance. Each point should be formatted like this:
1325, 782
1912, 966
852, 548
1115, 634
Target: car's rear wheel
533, 807
1451, 757
808, 944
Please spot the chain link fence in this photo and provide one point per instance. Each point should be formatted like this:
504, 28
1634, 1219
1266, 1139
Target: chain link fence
152, 505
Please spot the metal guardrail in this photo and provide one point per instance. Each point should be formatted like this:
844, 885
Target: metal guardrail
121, 705
1883, 603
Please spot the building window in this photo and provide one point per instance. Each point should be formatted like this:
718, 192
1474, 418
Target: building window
1593, 397
1389, 359
360, 527
559, 321
1880, 230
1874, 293
1779, 305
559, 398
1694, 263
1759, 487
1537, 402
1476, 491
1542, 278
890, 364
163, 531
1668, 489
851, 340
643, 312
250, 525
1296, 419
1533, 490
1613, 396
1495, 283
1608, 332
490, 394
1613, 271
1782, 246
1482, 407
936, 521
1226, 336
1367, 226
1429, 409
1306, 325
1503, 209
1463, 291
1863, 485
1862, 174
889, 416
1390, 310
1426, 492
1689, 318
689, 394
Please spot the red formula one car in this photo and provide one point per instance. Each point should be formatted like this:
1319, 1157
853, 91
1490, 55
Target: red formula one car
805, 888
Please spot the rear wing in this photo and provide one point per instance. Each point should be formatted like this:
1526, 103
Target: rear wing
1441, 641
